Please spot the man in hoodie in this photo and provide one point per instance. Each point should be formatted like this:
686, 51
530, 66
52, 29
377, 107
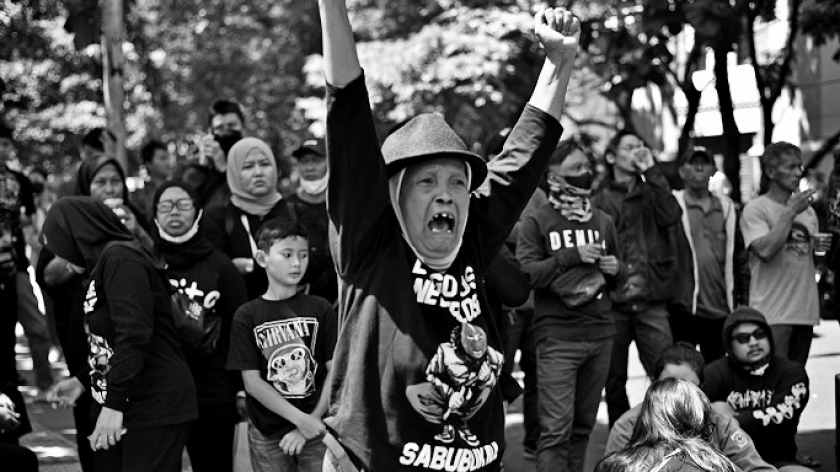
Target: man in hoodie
646, 216
308, 205
764, 392
721, 274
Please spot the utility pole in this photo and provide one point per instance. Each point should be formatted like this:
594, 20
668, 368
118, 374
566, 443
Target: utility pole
113, 29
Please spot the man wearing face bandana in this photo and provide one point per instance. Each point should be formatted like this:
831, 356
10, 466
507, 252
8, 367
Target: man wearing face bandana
568, 248
207, 175
309, 206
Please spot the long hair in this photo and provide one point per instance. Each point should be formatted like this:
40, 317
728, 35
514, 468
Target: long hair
675, 416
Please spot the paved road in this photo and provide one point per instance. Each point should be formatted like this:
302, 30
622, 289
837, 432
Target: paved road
53, 438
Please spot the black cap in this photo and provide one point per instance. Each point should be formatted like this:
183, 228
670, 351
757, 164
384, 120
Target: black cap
311, 146
698, 153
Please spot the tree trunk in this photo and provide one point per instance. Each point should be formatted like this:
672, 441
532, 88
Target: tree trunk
692, 96
824, 150
731, 135
113, 33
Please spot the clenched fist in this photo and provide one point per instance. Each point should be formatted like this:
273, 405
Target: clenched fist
559, 33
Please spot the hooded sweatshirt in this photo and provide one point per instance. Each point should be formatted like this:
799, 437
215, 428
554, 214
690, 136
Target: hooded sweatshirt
136, 364
769, 400
213, 285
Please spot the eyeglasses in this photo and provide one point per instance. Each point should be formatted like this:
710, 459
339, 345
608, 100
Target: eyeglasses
744, 338
185, 204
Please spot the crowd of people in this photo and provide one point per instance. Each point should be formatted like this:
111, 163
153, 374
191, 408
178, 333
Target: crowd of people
369, 320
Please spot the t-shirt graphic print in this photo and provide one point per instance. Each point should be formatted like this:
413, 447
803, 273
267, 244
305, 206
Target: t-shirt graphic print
100, 354
287, 346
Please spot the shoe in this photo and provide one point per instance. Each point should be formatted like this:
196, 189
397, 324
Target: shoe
447, 436
808, 461
468, 437
529, 454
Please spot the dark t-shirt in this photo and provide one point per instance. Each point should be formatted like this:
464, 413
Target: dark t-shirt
16, 198
136, 364
398, 367
289, 342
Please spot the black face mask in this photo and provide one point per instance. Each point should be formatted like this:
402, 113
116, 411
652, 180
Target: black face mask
37, 187
227, 140
583, 181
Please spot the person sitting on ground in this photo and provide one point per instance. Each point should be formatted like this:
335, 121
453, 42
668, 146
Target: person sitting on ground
765, 392
682, 361
671, 434
252, 175
418, 361
283, 345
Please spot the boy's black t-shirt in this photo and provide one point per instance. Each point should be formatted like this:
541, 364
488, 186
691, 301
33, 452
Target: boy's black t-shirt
289, 342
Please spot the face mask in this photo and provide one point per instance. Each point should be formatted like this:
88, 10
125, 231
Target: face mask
314, 187
583, 181
38, 188
227, 140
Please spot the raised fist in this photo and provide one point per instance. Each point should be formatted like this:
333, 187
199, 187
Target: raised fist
559, 33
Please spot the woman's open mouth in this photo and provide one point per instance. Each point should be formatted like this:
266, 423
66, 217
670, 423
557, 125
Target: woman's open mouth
442, 223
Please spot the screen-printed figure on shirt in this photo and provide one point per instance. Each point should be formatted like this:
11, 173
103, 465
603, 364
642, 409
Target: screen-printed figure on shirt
99, 361
461, 375
799, 241
287, 346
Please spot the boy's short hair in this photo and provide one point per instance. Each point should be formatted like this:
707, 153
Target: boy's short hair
279, 229
149, 149
680, 353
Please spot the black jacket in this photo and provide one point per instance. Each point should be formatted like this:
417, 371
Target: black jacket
647, 219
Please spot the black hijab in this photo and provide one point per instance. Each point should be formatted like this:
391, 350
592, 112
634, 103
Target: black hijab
181, 255
79, 229
89, 169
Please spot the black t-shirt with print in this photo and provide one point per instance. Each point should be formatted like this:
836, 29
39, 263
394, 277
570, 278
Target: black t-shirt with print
136, 364
289, 342
16, 198
408, 393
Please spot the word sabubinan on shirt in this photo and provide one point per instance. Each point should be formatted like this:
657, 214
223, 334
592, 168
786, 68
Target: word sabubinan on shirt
448, 458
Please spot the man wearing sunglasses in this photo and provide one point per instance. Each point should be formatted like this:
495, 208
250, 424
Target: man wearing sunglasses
764, 392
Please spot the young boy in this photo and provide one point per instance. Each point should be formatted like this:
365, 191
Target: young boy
283, 343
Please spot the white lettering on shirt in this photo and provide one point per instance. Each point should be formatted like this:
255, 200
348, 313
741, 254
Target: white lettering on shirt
569, 238
456, 294
450, 459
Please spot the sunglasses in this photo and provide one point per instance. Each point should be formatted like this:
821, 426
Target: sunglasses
744, 338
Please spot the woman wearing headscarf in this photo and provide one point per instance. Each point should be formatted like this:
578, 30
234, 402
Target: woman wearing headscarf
143, 392
671, 434
418, 365
210, 290
102, 179
252, 175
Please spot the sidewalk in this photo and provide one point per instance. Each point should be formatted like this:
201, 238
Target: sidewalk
53, 438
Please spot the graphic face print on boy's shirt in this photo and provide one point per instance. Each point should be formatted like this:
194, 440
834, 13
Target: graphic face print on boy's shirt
457, 294
287, 346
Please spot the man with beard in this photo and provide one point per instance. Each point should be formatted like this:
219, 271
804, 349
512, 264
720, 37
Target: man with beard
764, 392
207, 175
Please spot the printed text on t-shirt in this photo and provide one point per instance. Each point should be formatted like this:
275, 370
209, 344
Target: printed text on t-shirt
569, 238
447, 291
